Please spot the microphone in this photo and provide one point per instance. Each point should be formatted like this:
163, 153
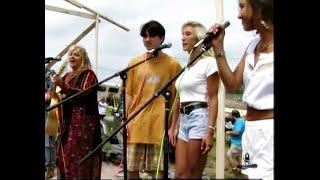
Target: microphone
247, 166
48, 59
162, 46
207, 40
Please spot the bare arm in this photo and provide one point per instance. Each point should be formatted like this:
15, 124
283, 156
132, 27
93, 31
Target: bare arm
174, 125
231, 80
212, 87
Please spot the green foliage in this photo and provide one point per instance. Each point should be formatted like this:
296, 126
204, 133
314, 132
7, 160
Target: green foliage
236, 95
238, 91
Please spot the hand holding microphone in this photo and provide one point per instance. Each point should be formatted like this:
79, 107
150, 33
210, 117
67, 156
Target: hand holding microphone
216, 36
214, 33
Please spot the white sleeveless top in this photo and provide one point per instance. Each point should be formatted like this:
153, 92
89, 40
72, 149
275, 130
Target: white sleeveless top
258, 79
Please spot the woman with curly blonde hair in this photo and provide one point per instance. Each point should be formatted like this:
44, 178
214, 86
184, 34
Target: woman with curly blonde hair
79, 124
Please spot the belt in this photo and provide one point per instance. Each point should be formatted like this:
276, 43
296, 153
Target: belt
188, 108
255, 114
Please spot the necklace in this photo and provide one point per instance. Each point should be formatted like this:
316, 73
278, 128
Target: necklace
264, 47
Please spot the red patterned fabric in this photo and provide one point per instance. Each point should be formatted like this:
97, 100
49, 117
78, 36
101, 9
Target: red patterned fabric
80, 129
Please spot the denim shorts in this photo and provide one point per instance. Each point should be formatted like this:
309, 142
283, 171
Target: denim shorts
193, 125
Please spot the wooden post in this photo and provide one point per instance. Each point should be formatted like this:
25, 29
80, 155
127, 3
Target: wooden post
220, 134
96, 42
79, 5
95, 16
70, 12
75, 41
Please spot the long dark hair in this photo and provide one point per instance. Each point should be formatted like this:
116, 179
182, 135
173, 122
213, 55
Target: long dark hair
265, 7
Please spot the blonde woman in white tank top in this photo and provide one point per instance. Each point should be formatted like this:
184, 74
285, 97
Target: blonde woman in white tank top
196, 107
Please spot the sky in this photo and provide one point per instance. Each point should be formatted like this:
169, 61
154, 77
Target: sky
117, 46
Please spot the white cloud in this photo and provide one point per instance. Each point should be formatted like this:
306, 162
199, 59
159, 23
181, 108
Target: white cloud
117, 46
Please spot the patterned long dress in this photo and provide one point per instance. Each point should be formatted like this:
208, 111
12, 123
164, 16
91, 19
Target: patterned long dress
80, 131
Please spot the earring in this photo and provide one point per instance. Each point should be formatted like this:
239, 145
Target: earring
264, 24
82, 64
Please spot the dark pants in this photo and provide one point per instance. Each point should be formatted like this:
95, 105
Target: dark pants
50, 153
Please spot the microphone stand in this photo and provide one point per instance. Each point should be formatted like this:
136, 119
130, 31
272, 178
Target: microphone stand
166, 94
46, 61
162, 91
120, 73
123, 76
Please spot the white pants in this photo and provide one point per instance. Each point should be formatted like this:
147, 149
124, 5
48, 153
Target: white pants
257, 142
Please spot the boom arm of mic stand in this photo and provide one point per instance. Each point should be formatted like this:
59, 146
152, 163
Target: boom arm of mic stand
94, 85
120, 127
162, 89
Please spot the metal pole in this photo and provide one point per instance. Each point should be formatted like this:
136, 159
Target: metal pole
166, 94
124, 130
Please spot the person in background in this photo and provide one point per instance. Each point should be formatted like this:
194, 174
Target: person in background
79, 126
50, 146
197, 103
102, 105
255, 72
234, 152
146, 129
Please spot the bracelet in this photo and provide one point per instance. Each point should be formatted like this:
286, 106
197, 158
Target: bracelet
221, 54
211, 127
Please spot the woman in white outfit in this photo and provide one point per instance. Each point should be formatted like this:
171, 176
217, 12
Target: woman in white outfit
196, 106
255, 72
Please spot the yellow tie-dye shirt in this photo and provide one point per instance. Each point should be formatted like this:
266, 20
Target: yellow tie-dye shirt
147, 127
